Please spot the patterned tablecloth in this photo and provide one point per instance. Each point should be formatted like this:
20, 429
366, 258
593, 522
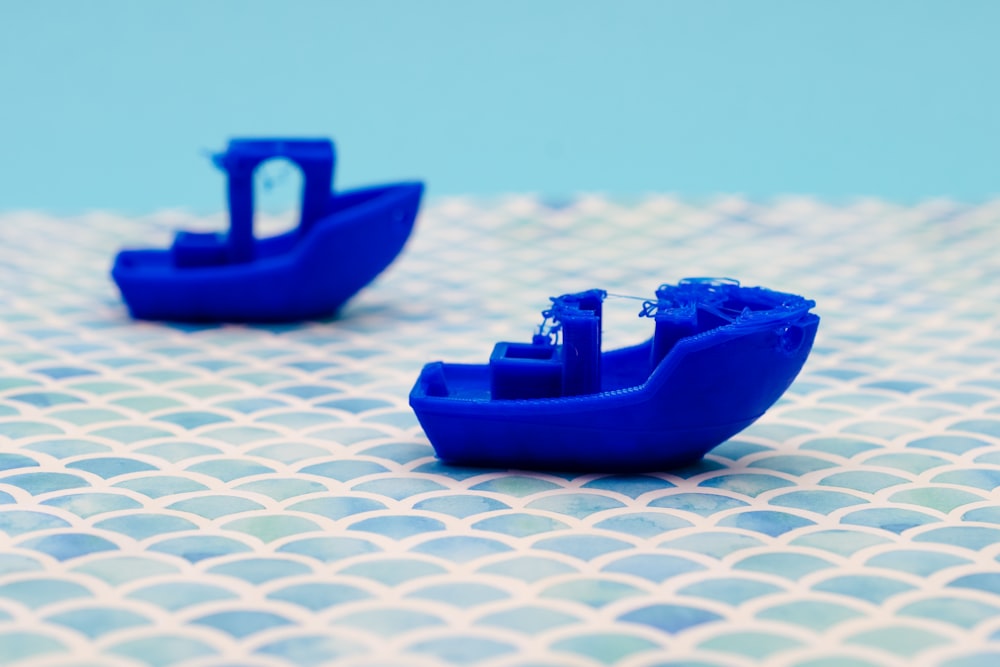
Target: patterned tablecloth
263, 496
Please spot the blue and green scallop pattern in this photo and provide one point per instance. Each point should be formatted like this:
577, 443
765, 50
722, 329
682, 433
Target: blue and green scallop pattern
214, 496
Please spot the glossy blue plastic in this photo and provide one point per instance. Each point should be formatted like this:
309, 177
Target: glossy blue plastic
719, 356
343, 241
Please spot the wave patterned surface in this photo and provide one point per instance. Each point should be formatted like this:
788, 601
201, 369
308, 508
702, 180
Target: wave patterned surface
211, 496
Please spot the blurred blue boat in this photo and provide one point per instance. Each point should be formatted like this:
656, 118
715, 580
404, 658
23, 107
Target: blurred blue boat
343, 241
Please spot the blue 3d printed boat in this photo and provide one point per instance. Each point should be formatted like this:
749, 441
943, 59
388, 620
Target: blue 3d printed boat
343, 241
719, 357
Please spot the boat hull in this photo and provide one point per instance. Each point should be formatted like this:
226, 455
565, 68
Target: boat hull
293, 277
707, 389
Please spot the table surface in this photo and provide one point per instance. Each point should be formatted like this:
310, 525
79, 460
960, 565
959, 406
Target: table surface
263, 496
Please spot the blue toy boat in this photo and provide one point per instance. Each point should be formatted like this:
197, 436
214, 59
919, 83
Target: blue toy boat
343, 241
719, 357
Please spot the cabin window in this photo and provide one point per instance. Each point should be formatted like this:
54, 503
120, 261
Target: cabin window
277, 192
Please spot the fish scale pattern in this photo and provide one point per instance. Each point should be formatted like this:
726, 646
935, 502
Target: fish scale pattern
212, 496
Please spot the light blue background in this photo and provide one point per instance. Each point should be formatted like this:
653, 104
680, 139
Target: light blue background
109, 104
